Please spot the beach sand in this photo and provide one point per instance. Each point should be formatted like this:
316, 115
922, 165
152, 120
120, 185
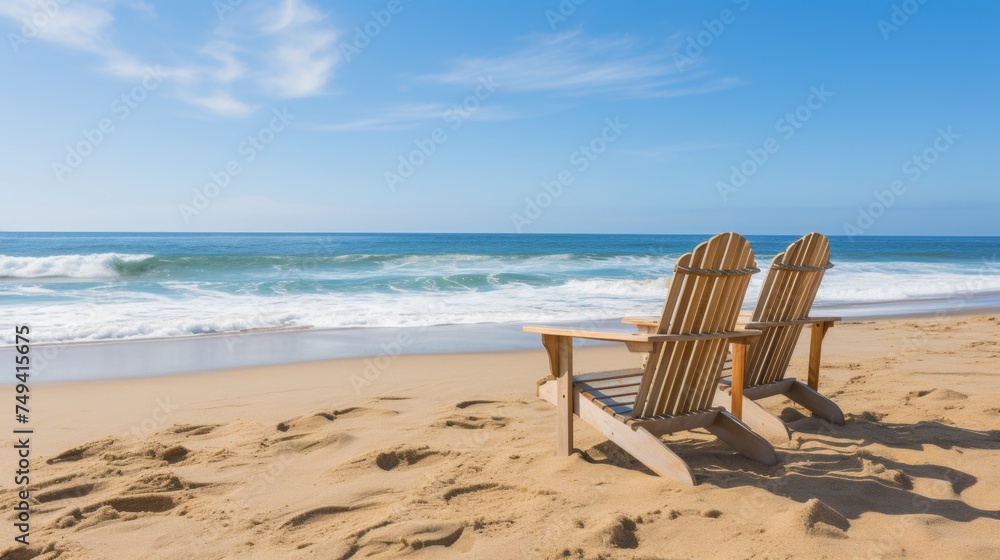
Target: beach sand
447, 456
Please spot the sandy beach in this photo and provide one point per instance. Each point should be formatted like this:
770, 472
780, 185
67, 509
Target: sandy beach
447, 456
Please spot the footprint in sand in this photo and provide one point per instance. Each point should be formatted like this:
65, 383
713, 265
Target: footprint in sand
415, 535
319, 522
493, 493
307, 442
475, 422
321, 418
81, 452
139, 503
112, 508
318, 514
55, 481
194, 429
405, 457
309, 421
358, 411
161, 482
398, 458
467, 404
383, 537
46, 552
475, 488
174, 454
66, 492
310, 432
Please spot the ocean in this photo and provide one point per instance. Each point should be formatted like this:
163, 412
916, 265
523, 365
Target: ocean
73, 287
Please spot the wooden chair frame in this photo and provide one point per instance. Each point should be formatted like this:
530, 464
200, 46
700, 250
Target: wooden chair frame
780, 314
675, 389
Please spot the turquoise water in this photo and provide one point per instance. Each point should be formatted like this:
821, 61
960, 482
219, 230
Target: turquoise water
97, 286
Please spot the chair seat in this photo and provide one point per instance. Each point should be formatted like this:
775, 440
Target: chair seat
615, 391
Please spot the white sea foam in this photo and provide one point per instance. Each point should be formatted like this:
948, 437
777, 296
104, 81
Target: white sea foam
196, 307
101, 265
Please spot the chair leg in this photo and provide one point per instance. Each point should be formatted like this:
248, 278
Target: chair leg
639, 443
564, 412
740, 437
754, 415
816, 403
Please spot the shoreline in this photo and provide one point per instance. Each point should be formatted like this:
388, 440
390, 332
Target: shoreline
155, 356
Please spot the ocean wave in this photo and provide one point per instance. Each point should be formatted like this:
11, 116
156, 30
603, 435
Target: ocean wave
183, 295
101, 265
347, 266
196, 310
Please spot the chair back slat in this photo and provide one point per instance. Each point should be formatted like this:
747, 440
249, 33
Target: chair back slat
788, 294
705, 296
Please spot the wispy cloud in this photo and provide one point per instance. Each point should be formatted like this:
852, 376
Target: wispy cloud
221, 103
279, 50
75, 25
399, 117
302, 58
411, 115
572, 64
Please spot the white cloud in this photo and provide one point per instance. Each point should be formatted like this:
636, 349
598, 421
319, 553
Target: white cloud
221, 103
301, 64
280, 50
301, 58
74, 25
231, 68
289, 15
571, 64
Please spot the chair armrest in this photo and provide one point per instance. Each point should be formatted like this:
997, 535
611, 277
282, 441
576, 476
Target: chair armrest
642, 321
805, 321
590, 335
640, 337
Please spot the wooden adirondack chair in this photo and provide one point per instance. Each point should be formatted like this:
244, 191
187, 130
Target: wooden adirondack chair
676, 388
781, 311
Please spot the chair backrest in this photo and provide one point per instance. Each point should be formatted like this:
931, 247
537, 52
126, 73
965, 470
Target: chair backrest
705, 296
787, 295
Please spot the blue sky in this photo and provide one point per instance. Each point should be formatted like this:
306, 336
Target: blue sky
579, 116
